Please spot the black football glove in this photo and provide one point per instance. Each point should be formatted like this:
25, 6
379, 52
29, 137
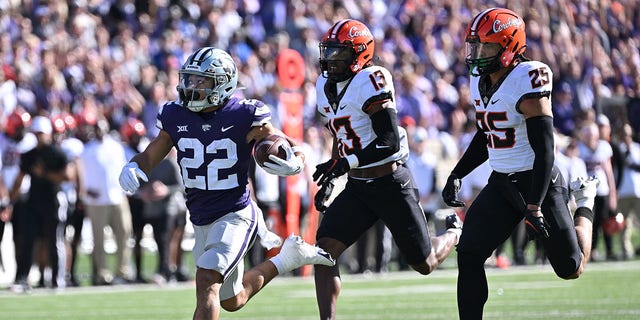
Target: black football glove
330, 170
536, 226
450, 191
322, 196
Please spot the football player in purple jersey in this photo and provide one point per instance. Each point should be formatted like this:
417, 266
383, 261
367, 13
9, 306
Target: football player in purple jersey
214, 133
511, 95
356, 101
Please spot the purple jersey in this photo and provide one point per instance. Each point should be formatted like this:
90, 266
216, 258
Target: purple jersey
213, 154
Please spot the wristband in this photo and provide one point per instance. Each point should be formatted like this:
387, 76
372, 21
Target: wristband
353, 161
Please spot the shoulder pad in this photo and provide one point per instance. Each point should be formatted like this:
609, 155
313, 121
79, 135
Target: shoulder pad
373, 81
532, 77
169, 105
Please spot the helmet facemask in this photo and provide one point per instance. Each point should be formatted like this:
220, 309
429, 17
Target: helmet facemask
207, 79
336, 61
483, 58
197, 94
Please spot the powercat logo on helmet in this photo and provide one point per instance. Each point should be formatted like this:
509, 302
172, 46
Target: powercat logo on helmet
354, 32
499, 26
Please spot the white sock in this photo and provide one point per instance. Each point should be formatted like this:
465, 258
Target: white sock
457, 232
277, 261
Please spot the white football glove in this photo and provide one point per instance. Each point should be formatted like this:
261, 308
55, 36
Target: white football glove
284, 167
129, 177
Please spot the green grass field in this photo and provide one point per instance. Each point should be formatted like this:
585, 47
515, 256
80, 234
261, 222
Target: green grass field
606, 291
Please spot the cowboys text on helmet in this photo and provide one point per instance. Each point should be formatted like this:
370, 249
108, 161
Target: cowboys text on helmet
357, 32
498, 26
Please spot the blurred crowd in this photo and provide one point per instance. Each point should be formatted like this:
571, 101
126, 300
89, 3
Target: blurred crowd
100, 70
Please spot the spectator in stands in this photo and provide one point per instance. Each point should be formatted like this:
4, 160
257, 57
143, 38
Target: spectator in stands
164, 208
597, 155
563, 117
105, 203
133, 135
629, 191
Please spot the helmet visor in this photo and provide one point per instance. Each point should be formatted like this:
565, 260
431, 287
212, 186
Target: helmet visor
479, 50
192, 80
332, 52
193, 86
335, 60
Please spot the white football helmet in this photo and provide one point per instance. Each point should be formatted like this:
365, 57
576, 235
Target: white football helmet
211, 63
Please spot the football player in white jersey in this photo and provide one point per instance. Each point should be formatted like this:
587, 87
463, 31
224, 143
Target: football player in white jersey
512, 98
214, 133
356, 100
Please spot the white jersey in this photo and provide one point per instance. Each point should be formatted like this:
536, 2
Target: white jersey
348, 123
504, 125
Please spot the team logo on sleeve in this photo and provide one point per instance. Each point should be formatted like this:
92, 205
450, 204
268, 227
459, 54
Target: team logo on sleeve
206, 127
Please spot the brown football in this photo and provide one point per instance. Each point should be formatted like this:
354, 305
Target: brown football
271, 145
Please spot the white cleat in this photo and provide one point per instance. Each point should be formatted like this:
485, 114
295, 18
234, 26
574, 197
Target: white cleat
584, 191
296, 253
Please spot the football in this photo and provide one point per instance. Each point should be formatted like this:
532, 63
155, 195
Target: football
271, 145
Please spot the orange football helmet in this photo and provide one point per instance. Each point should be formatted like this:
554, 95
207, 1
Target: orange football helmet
495, 39
346, 49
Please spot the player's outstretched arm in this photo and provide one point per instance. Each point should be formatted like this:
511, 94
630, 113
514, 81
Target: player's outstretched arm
154, 153
142, 163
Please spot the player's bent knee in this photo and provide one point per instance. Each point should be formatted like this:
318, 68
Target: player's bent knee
236, 302
574, 275
423, 269
428, 266
231, 305
570, 271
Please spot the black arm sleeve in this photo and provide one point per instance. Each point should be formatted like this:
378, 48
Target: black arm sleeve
385, 125
475, 155
540, 132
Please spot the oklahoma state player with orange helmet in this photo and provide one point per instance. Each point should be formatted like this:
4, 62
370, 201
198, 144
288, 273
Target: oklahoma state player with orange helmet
511, 96
356, 100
